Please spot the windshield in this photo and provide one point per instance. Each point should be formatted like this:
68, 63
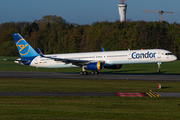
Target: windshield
168, 54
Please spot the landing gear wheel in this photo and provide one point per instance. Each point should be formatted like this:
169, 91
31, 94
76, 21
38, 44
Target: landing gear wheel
96, 72
92, 72
81, 73
85, 72
159, 66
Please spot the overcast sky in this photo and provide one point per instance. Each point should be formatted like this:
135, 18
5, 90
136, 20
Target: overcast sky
87, 11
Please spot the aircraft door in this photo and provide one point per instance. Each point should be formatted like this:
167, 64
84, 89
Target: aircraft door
129, 55
159, 55
36, 61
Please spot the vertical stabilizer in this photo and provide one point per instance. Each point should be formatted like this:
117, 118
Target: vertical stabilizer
25, 50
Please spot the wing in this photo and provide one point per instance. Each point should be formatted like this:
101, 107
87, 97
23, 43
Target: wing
67, 61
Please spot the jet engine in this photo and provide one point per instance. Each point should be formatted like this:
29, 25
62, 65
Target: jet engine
94, 66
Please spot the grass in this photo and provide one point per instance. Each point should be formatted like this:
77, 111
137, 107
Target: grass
45, 108
53, 108
167, 68
85, 85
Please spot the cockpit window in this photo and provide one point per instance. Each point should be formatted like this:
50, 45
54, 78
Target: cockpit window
168, 54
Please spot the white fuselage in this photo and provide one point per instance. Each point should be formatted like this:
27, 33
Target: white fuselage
109, 58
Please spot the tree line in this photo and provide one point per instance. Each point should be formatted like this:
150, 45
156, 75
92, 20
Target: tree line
52, 34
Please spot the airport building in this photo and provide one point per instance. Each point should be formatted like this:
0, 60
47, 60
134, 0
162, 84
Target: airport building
122, 7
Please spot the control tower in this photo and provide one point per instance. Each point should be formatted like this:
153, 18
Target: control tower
122, 11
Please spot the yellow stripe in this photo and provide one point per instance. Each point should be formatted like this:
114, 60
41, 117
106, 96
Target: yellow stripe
153, 94
148, 94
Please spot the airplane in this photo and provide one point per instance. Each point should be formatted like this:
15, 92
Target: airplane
93, 61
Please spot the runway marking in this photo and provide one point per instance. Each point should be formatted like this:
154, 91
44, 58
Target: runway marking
130, 95
153, 94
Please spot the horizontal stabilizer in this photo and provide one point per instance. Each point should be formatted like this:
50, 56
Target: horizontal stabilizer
23, 61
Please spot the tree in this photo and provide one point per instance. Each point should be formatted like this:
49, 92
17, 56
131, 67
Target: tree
52, 34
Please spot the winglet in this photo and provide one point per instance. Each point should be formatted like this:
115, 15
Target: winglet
102, 49
40, 53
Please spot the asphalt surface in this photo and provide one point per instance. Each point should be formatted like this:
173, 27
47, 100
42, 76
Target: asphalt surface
154, 77
63, 94
92, 94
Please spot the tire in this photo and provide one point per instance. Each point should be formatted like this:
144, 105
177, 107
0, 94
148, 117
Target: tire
92, 72
85, 72
81, 73
96, 72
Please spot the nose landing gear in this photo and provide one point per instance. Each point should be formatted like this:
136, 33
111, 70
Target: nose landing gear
159, 66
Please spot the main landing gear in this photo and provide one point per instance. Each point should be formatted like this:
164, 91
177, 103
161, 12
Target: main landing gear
94, 72
84, 72
159, 66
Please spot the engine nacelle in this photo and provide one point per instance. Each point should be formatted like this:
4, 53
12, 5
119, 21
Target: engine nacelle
94, 66
113, 67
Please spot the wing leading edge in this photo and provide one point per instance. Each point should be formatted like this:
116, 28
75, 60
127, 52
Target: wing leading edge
67, 61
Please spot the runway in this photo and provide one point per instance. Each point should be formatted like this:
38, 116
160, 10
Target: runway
154, 77
90, 94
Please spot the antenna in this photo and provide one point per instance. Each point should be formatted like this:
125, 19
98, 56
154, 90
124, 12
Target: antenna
122, 0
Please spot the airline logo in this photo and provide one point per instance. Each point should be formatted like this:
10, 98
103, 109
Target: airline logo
136, 55
23, 47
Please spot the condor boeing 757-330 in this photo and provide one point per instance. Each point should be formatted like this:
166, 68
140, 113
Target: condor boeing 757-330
93, 61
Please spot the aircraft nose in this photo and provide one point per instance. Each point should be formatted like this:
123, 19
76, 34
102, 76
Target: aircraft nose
175, 58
